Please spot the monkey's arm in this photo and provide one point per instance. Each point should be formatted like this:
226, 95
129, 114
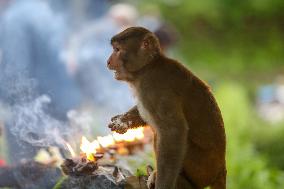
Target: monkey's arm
128, 120
171, 150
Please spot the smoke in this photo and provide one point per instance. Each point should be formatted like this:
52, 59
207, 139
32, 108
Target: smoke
29, 120
32, 125
81, 121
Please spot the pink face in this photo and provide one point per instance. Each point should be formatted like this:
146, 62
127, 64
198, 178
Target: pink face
126, 59
115, 62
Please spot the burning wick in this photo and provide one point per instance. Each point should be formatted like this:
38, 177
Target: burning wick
106, 141
89, 148
73, 154
130, 136
92, 150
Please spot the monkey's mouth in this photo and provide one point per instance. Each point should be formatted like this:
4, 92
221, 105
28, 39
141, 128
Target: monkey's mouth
119, 75
116, 74
115, 71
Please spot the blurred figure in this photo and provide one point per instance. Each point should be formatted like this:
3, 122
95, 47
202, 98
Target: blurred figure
3, 4
2, 161
166, 33
96, 8
91, 48
270, 101
167, 36
77, 12
30, 41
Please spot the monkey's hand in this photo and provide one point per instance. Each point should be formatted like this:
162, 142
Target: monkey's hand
151, 177
120, 124
129, 120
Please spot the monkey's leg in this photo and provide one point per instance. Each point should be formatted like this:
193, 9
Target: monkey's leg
155, 142
183, 183
171, 149
128, 120
220, 182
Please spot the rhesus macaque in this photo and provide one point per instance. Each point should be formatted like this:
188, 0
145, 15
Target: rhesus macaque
189, 136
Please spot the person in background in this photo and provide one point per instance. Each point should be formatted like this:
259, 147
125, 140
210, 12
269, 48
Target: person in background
3, 4
167, 36
89, 50
166, 33
2, 161
31, 41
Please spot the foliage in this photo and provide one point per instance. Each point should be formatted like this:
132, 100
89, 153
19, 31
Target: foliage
59, 182
269, 141
247, 168
141, 172
227, 36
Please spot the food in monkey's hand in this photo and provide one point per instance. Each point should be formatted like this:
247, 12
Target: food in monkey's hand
119, 124
129, 120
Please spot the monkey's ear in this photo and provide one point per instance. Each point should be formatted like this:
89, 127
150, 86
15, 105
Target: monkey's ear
145, 44
147, 41
150, 43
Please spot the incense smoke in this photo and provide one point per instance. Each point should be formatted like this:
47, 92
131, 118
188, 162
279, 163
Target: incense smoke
32, 125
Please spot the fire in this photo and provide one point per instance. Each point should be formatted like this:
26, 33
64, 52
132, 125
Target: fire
73, 154
106, 141
89, 148
103, 142
130, 135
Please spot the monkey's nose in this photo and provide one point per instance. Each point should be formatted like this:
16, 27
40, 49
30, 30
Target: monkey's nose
108, 63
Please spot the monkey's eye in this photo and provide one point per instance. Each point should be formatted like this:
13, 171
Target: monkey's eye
115, 49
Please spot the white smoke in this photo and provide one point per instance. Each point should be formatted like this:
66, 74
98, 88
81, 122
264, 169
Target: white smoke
32, 125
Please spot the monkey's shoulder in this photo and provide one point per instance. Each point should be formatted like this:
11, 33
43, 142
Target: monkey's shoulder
186, 76
169, 80
171, 74
167, 71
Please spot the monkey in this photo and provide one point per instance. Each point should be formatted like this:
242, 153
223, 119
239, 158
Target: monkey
189, 136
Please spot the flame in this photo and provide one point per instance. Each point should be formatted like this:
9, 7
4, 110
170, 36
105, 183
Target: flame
89, 148
106, 141
130, 135
72, 152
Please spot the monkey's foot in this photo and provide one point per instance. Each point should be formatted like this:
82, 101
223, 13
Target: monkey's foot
151, 177
119, 124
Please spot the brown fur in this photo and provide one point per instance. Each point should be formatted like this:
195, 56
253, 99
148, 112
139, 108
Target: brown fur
189, 132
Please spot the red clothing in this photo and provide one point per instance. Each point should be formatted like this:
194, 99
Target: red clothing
2, 163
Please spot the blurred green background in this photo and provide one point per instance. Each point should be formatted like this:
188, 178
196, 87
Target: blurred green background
236, 46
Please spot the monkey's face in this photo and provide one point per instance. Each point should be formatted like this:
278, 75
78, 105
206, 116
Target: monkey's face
133, 49
116, 62
128, 58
